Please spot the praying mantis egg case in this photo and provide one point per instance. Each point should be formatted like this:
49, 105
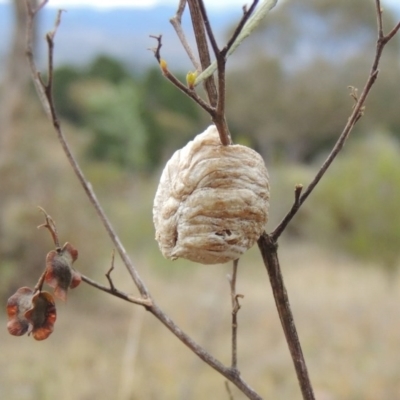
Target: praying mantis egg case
212, 201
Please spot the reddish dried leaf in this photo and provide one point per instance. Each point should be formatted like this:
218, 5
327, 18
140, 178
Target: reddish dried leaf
17, 304
32, 313
68, 248
42, 315
59, 272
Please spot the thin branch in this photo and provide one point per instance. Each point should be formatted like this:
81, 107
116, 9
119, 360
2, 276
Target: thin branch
202, 48
248, 28
356, 114
207, 25
393, 32
231, 374
219, 117
29, 39
51, 226
176, 22
175, 81
117, 293
48, 105
235, 309
239, 28
108, 273
268, 248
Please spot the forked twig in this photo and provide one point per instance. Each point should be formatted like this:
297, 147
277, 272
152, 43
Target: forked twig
201, 26
51, 226
268, 243
147, 303
190, 92
355, 115
108, 273
248, 28
47, 102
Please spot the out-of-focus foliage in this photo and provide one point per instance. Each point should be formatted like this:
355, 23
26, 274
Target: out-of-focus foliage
111, 116
172, 118
290, 90
64, 77
109, 69
356, 206
135, 122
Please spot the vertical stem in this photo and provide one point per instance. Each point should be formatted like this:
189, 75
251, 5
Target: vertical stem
268, 249
235, 309
202, 46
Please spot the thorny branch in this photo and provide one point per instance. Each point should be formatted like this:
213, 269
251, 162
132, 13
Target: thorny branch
145, 300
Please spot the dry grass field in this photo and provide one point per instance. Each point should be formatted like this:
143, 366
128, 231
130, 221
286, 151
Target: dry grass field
102, 348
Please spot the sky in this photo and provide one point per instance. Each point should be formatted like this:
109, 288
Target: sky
151, 3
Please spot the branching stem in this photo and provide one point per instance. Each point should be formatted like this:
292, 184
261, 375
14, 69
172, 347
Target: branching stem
145, 300
51, 226
355, 115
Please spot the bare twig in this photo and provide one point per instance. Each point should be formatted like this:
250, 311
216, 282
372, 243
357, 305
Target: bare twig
356, 114
250, 25
187, 90
202, 48
48, 105
176, 22
218, 118
201, 25
239, 28
231, 374
108, 273
117, 293
268, 248
268, 243
51, 226
235, 309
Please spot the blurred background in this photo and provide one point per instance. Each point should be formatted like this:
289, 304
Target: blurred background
288, 98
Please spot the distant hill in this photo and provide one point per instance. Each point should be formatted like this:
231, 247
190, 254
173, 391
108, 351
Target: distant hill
121, 33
